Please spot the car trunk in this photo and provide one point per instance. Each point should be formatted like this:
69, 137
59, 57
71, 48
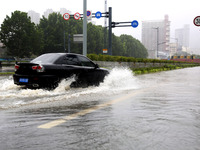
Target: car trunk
26, 69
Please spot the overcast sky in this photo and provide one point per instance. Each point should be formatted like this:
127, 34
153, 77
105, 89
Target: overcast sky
180, 12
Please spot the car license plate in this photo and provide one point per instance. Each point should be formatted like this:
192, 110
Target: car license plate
24, 80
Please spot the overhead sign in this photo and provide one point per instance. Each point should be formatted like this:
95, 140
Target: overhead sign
98, 14
197, 21
78, 38
134, 23
66, 16
77, 16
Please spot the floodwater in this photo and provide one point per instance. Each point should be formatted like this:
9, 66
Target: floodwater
162, 112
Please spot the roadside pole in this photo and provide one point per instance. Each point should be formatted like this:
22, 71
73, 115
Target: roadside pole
110, 32
85, 27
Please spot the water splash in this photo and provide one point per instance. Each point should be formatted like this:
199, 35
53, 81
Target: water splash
7, 84
119, 79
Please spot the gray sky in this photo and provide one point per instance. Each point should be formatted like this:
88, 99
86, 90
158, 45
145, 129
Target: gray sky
180, 12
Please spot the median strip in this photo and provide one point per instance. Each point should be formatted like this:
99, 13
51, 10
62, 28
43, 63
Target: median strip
87, 111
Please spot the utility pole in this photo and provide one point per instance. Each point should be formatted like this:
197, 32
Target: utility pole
64, 42
85, 27
69, 50
110, 32
105, 27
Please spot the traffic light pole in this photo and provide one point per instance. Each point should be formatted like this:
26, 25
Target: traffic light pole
111, 25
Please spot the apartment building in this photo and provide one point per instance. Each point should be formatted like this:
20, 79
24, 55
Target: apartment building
183, 37
156, 37
35, 17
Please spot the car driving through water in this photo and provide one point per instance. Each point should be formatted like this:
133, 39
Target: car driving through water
47, 70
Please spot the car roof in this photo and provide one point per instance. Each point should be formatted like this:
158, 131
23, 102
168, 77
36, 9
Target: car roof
66, 54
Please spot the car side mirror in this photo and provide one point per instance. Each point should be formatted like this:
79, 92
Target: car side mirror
96, 66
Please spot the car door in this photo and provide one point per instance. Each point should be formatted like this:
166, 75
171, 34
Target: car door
90, 72
70, 66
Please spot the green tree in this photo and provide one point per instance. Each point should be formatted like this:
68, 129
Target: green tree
17, 34
117, 46
55, 28
37, 41
95, 39
133, 47
52, 29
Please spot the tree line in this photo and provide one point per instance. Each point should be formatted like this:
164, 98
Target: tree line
22, 38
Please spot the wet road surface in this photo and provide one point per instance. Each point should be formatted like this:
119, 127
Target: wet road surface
158, 111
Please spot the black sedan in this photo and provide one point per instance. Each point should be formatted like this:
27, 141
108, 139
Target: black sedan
47, 70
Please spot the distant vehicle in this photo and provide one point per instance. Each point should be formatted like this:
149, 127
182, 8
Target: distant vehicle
47, 70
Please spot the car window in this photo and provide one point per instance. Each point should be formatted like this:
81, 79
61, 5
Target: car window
86, 62
71, 60
46, 58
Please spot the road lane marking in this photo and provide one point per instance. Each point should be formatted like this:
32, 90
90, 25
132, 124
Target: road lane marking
86, 111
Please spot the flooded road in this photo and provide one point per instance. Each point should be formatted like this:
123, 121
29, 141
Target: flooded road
158, 111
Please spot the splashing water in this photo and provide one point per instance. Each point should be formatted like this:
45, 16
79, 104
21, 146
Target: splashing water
119, 79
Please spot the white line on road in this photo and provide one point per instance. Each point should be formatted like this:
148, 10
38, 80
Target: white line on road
87, 111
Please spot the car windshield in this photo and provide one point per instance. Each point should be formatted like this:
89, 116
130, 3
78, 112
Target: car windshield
46, 59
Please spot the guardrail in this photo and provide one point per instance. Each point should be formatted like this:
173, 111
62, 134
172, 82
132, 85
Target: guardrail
7, 63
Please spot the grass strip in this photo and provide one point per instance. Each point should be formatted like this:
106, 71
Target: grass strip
6, 73
138, 71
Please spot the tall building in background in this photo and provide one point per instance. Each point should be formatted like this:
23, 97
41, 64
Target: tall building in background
156, 36
35, 17
50, 11
64, 10
47, 12
182, 35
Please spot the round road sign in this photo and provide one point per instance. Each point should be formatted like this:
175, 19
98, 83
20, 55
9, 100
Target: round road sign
66, 16
88, 13
77, 16
98, 14
134, 23
197, 21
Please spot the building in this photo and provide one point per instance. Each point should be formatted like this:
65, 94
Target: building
50, 11
183, 37
64, 10
173, 48
35, 17
156, 37
47, 12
